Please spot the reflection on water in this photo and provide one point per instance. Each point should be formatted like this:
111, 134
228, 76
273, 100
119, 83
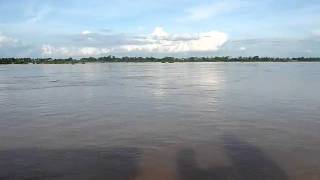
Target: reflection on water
63, 121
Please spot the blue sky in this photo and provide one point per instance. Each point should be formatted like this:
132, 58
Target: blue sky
78, 28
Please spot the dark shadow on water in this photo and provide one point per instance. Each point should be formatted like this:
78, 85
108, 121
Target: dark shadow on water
248, 163
97, 164
188, 168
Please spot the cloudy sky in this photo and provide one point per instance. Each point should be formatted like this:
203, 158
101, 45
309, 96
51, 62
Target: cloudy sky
81, 28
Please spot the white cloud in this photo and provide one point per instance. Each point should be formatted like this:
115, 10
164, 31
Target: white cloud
86, 32
7, 41
274, 47
161, 41
242, 48
49, 50
13, 47
159, 32
92, 51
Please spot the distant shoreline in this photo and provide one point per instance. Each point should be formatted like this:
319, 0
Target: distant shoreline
113, 59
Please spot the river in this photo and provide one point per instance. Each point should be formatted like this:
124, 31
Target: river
155, 121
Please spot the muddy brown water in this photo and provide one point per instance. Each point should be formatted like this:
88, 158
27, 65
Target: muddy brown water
153, 121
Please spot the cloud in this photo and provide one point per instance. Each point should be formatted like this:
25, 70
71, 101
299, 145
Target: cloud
206, 11
159, 41
7, 41
52, 51
159, 32
104, 39
13, 47
86, 32
275, 47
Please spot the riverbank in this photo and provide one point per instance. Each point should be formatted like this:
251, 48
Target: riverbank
109, 59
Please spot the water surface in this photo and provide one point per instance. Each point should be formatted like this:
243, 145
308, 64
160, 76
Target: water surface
181, 121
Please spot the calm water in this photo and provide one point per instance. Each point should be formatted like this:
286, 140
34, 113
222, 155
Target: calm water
153, 121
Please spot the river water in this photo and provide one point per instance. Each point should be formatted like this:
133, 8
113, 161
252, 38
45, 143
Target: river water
154, 121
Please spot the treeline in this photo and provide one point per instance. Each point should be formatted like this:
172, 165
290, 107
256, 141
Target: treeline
152, 59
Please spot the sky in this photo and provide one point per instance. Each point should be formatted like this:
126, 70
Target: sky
180, 28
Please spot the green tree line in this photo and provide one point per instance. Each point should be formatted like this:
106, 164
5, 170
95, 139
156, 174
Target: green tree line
107, 59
